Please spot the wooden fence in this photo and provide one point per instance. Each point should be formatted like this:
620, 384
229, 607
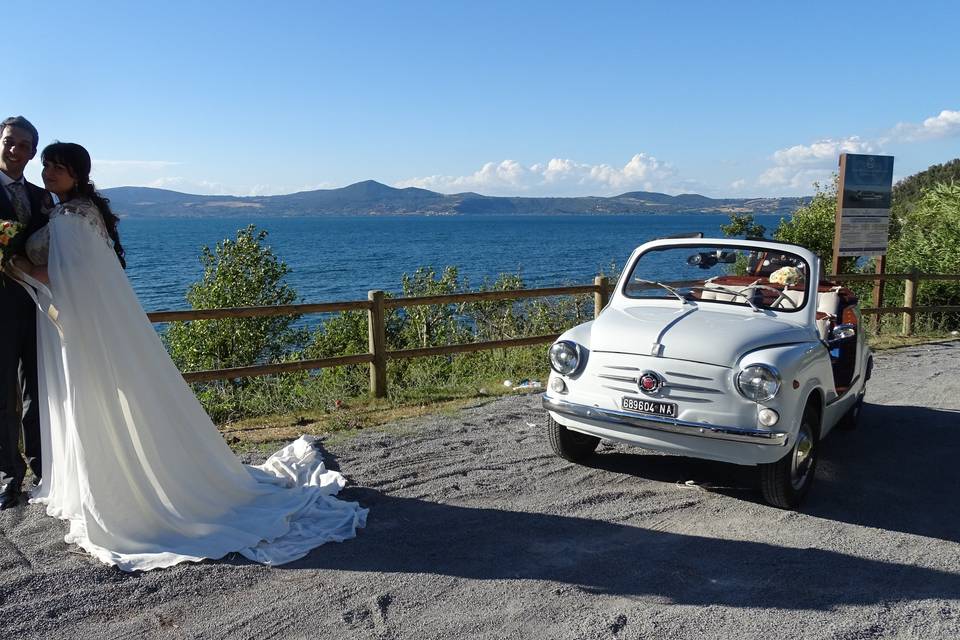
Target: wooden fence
377, 304
911, 283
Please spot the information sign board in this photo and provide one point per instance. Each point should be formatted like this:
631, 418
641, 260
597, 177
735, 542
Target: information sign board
863, 211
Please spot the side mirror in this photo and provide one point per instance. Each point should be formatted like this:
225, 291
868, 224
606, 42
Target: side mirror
703, 260
841, 333
727, 257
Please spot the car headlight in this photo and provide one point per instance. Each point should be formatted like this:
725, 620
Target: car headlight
758, 382
565, 357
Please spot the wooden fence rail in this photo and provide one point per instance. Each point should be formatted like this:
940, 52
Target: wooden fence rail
911, 282
377, 303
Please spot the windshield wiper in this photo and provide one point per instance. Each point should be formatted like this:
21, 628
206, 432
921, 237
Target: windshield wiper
679, 295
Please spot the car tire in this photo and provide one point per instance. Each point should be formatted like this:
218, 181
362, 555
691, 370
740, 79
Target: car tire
570, 445
851, 419
784, 483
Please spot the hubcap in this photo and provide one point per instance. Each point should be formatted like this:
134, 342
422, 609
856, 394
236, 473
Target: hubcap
802, 457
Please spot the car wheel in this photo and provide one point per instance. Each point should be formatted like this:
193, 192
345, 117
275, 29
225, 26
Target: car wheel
851, 419
570, 445
785, 482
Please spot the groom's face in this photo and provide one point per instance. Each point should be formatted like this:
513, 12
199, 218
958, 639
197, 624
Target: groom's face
16, 151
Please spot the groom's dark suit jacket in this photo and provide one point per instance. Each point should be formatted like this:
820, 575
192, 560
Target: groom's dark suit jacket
40, 202
18, 354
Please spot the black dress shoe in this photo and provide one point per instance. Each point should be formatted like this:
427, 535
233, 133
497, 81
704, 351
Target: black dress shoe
10, 496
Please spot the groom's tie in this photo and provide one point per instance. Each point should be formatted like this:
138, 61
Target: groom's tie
18, 197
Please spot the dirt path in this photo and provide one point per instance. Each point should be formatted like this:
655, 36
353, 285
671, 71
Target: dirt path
477, 530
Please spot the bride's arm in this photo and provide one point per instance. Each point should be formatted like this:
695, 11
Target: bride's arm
40, 273
32, 270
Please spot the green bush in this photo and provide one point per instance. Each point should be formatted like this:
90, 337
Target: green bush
239, 273
928, 242
812, 226
341, 335
416, 327
236, 273
743, 225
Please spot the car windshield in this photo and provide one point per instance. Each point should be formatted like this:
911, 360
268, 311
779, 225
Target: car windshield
750, 277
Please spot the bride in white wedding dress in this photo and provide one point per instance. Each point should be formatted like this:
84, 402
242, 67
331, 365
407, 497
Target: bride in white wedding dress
130, 458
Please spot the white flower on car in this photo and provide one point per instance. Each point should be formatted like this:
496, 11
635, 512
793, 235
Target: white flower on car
785, 276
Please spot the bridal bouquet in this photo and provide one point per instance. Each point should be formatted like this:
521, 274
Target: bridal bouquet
785, 276
8, 233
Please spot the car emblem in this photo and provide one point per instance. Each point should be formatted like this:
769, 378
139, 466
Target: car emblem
649, 382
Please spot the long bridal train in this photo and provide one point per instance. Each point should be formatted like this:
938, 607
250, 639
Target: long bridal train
131, 459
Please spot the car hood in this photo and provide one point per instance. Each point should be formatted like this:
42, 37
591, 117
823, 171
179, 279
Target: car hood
691, 332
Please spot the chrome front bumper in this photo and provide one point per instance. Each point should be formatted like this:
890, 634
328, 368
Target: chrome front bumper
697, 429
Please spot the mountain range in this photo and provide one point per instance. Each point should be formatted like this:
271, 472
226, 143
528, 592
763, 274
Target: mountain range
371, 198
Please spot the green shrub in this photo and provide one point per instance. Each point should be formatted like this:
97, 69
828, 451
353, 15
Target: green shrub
928, 242
239, 273
743, 225
812, 225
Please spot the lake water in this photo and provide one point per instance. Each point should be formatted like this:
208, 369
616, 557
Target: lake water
342, 258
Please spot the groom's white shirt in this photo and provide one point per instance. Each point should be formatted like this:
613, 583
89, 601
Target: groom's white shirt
6, 181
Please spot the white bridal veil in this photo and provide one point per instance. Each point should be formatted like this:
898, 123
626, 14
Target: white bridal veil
131, 459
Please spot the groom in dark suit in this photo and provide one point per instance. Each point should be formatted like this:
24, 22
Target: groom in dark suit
23, 202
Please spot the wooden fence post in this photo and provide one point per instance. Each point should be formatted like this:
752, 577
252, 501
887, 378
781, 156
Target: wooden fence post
878, 287
377, 340
600, 298
909, 301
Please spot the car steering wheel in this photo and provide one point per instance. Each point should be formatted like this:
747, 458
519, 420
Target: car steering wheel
781, 295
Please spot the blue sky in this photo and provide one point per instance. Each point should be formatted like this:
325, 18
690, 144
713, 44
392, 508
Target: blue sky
504, 98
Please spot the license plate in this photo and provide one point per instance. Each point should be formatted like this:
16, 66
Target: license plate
665, 409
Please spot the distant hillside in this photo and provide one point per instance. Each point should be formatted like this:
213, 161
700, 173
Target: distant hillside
908, 191
370, 198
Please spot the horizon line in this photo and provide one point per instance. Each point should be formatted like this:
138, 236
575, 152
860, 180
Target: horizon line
457, 193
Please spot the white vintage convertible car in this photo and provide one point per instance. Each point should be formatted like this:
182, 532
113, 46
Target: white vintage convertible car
729, 350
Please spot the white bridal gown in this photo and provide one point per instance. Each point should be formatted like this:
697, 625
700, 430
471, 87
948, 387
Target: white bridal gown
131, 459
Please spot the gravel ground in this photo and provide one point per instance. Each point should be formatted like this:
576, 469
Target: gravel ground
477, 530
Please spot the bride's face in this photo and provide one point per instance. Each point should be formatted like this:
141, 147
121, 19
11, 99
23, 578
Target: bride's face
57, 179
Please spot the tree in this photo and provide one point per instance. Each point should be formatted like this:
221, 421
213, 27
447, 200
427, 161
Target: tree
931, 232
928, 243
909, 191
743, 225
812, 225
237, 273
431, 325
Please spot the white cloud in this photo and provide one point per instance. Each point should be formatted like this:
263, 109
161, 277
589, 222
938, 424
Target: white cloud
737, 185
505, 175
793, 178
315, 186
799, 166
826, 150
558, 176
210, 188
944, 125
187, 185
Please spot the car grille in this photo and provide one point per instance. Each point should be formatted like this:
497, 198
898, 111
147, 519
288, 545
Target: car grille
684, 381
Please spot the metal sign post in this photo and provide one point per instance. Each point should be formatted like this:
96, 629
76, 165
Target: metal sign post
862, 225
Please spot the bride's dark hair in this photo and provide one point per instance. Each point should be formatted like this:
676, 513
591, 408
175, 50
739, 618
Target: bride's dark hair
77, 161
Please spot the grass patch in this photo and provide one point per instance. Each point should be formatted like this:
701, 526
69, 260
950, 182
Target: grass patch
893, 341
345, 418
